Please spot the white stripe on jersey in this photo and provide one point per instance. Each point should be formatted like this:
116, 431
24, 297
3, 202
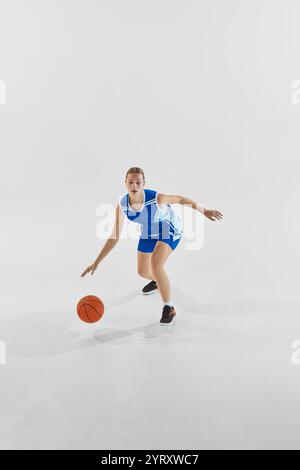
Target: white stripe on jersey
149, 202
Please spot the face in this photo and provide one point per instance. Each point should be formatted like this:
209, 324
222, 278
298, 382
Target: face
134, 183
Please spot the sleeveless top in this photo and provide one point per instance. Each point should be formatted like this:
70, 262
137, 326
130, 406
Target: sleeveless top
157, 222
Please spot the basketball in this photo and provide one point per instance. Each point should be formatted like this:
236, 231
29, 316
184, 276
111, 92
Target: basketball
90, 309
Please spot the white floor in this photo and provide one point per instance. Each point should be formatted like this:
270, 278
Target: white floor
220, 378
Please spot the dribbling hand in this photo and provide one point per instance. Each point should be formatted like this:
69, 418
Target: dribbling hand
92, 268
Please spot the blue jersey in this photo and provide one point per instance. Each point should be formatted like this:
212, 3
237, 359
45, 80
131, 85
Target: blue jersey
157, 222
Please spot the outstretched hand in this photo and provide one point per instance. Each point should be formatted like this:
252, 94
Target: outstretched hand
213, 214
90, 269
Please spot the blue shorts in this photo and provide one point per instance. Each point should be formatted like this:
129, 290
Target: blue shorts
147, 245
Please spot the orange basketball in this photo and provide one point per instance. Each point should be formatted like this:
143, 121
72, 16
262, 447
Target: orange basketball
90, 309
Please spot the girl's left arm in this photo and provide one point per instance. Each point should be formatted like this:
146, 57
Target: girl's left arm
169, 199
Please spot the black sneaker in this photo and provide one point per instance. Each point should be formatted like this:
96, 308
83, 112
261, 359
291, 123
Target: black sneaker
149, 288
168, 314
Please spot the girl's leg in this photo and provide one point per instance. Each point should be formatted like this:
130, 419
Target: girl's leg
159, 256
144, 265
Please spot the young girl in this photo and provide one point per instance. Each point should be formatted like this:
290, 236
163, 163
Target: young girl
160, 234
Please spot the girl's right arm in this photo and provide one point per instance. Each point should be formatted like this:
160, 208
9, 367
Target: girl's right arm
110, 243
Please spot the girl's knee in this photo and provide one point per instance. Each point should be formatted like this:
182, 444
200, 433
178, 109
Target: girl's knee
156, 267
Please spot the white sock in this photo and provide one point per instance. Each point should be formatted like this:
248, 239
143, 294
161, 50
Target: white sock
169, 303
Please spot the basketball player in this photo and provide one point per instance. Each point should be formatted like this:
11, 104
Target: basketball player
161, 233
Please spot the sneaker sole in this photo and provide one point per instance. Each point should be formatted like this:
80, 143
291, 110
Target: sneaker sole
148, 293
170, 323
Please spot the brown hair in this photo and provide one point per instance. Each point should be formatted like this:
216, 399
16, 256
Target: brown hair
137, 170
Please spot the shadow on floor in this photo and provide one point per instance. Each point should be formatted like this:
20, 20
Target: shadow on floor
52, 333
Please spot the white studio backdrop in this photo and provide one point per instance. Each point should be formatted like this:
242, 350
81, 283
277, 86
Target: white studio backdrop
198, 94
204, 95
